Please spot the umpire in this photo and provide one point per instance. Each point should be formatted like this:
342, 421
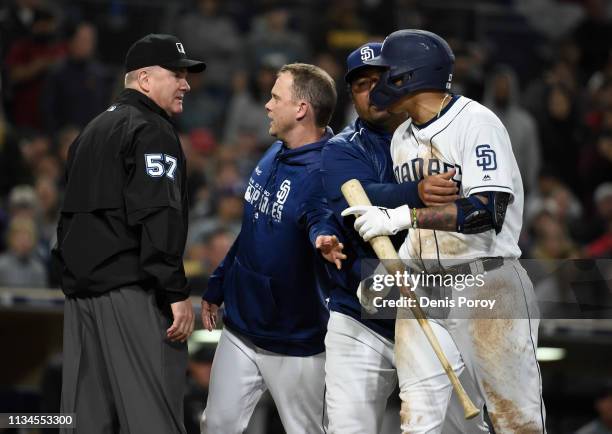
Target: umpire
121, 237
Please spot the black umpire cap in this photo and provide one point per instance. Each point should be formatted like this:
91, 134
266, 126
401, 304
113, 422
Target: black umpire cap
163, 50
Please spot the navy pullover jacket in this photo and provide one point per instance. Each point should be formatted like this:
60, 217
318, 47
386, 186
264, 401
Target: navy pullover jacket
273, 281
361, 152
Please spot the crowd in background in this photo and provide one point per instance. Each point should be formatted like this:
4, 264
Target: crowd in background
551, 85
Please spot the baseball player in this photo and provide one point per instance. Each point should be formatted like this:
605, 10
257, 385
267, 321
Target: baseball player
273, 282
478, 233
360, 367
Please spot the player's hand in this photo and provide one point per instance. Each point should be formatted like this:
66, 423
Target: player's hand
331, 249
438, 189
209, 315
374, 221
184, 321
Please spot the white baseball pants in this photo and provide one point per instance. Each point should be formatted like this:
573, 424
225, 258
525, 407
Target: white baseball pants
360, 376
241, 372
495, 357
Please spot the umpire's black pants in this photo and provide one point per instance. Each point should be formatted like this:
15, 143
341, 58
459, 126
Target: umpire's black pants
120, 373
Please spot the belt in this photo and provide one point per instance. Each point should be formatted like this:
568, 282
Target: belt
477, 266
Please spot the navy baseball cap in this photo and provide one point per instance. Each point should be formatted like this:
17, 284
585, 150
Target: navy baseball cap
358, 58
163, 50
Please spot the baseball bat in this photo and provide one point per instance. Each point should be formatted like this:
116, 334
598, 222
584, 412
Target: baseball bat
355, 195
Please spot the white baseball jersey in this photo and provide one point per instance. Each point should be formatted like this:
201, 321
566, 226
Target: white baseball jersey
471, 139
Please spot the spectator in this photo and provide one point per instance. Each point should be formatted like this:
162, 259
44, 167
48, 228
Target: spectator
569, 210
600, 79
19, 266
78, 75
568, 51
271, 35
595, 164
218, 243
329, 64
552, 240
194, 262
11, 167
468, 72
246, 113
602, 246
603, 406
49, 167
16, 18
593, 35
600, 100
48, 200
250, 151
23, 202
210, 35
33, 147
204, 107
551, 18
202, 205
606, 119
228, 179
65, 137
560, 73
205, 254
556, 197
559, 131
228, 208
48, 215
28, 61
405, 15
342, 29
194, 146
502, 96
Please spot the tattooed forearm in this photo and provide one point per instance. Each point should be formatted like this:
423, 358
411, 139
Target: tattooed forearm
442, 218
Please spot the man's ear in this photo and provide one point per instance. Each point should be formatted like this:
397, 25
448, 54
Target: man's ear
302, 110
144, 82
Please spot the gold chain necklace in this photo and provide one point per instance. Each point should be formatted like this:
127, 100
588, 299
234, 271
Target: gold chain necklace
441, 104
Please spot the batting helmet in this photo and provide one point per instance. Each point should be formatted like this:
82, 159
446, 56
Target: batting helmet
416, 60
358, 58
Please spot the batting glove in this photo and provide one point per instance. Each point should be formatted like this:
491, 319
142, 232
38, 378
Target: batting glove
374, 221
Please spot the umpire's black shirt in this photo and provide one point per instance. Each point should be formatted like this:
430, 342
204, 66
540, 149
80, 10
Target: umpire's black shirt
124, 218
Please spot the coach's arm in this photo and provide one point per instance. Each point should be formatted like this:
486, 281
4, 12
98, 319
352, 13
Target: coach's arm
213, 296
315, 215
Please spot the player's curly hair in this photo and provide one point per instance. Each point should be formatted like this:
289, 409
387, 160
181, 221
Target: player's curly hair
314, 85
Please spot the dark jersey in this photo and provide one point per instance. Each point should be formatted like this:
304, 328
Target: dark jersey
124, 216
361, 152
274, 281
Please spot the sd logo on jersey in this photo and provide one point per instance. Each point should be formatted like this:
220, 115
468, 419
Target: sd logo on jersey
485, 157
